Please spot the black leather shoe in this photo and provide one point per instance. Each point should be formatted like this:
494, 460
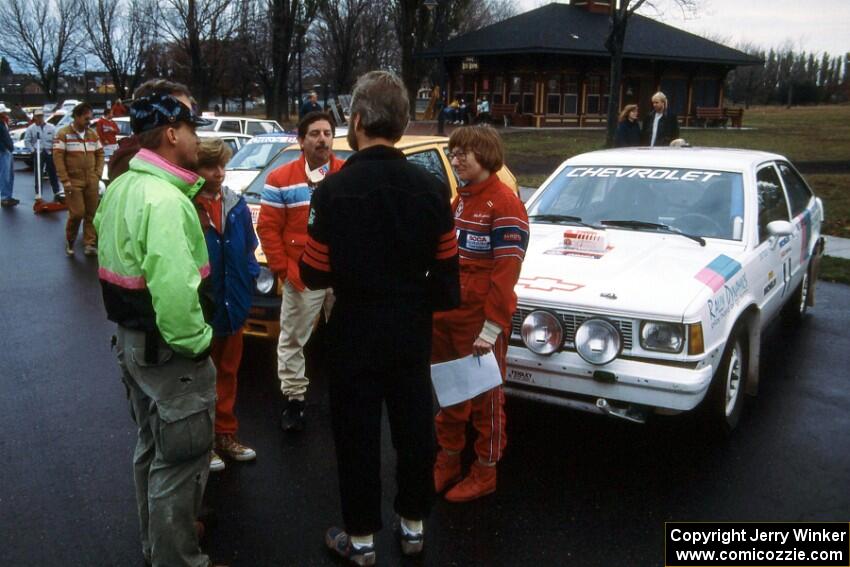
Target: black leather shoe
292, 418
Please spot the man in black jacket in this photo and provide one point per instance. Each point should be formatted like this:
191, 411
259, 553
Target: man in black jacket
660, 127
381, 233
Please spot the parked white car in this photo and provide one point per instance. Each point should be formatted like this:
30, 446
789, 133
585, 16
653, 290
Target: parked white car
255, 155
651, 274
235, 141
240, 125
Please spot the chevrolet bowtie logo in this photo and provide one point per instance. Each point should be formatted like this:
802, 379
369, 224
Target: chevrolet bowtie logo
547, 284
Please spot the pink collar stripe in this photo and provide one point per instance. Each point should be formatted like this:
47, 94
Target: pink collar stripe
162, 163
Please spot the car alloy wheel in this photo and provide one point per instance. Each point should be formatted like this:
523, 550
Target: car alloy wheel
804, 294
734, 373
724, 401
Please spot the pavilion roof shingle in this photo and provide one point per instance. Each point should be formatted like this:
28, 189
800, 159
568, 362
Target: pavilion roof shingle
566, 29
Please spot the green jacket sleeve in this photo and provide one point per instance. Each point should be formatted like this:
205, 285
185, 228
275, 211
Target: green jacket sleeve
174, 258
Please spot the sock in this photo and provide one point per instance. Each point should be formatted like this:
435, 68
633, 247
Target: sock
359, 542
411, 527
299, 398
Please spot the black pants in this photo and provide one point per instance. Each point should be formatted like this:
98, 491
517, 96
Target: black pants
356, 402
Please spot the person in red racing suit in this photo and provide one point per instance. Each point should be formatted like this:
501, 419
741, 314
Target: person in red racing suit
492, 229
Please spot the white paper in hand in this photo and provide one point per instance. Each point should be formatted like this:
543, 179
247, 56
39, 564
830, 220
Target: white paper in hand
459, 380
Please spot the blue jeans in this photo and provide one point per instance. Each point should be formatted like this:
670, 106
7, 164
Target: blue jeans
47, 163
7, 175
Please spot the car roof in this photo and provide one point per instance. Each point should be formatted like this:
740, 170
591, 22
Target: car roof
274, 137
212, 134
721, 159
210, 116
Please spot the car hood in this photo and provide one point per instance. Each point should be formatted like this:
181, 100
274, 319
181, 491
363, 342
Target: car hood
639, 273
237, 180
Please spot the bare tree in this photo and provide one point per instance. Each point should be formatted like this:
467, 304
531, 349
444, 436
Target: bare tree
118, 32
620, 13
275, 30
199, 28
339, 39
417, 29
41, 35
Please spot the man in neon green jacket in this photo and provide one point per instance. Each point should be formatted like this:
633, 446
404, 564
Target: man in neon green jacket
153, 258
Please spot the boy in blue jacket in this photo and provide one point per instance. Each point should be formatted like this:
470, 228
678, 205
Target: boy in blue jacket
231, 242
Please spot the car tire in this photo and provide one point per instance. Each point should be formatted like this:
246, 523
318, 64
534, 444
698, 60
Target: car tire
725, 399
794, 311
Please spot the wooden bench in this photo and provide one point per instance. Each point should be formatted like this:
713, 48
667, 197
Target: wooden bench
711, 116
735, 116
504, 111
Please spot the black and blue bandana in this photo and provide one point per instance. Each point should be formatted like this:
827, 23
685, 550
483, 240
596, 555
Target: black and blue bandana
159, 109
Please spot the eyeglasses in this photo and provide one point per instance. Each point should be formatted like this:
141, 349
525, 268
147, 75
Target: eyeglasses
458, 155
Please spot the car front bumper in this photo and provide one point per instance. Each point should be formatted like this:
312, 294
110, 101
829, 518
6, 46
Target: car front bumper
264, 317
23, 155
566, 379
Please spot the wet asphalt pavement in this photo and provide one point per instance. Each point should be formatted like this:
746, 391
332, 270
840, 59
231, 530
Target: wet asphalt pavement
574, 489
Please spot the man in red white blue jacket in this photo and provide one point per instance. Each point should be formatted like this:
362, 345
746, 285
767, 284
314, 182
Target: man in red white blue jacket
282, 228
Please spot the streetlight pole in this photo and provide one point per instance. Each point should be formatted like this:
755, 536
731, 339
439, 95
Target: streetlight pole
439, 24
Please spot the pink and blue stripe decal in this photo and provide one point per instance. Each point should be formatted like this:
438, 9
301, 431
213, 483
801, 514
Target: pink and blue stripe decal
718, 272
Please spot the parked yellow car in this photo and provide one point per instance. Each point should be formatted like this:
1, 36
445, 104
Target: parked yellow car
426, 151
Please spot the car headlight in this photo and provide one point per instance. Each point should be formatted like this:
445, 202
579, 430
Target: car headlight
664, 337
542, 332
598, 341
265, 281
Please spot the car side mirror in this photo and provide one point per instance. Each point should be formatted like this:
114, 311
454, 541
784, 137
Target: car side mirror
780, 228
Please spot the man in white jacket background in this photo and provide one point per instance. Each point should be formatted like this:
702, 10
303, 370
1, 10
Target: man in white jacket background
40, 134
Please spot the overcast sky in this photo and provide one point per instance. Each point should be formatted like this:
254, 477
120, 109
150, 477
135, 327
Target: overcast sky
811, 25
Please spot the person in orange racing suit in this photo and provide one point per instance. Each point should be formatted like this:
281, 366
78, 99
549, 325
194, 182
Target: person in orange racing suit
492, 229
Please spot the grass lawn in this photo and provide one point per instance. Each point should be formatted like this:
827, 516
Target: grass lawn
834, 190
816, 133
835, 270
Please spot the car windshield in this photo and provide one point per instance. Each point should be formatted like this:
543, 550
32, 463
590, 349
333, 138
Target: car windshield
284, 157
256, 155
264, 127
65, 120
696, 202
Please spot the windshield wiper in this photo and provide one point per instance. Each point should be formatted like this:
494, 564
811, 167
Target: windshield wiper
562, 218
654, 226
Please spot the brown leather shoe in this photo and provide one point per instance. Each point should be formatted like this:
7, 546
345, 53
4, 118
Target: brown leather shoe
446, 470
480, 482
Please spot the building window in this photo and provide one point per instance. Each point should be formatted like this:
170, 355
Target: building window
498, 83
677, 95
527, 96
597, 96
514, 97
570, 94
705, 92
553, 95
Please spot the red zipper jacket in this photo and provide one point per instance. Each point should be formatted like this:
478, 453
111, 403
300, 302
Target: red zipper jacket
282, 224
492, 235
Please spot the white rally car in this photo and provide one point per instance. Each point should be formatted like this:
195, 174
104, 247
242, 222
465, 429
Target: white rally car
651, 274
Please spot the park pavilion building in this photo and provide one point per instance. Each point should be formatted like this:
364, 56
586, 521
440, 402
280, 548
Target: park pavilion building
552, 63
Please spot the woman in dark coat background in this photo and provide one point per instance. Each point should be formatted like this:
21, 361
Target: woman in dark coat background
628, 131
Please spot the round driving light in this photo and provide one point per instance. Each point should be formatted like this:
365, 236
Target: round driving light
265, 281
598, 341
542, 332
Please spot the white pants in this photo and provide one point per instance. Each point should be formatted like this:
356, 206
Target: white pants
299, 311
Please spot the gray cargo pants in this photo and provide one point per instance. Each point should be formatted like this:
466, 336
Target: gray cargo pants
172, 401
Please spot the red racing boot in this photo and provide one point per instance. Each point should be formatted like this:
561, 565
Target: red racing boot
480, 482
446, 470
